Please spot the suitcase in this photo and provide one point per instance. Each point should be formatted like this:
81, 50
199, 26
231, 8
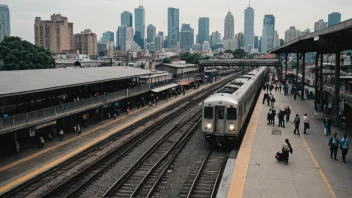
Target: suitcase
279, 156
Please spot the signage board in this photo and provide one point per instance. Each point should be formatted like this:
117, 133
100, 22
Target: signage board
45, 125
32, 132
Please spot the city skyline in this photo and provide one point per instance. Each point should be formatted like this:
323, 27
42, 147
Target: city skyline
299, 14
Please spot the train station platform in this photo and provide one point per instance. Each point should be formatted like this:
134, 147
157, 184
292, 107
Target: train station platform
310, 171
18, 168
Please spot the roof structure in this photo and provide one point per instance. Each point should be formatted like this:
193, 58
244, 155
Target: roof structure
29, 81
180, 65
328, 40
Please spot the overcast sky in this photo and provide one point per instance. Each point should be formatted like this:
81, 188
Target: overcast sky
104, 15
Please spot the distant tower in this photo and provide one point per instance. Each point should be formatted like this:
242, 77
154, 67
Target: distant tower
249, 28
229, 26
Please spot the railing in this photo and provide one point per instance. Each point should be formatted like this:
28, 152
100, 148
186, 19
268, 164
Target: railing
58, 110
345, 90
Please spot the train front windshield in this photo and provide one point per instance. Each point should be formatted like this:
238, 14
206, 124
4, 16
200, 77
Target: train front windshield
231, 114
208, 112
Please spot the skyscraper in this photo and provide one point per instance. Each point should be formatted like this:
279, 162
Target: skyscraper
248, 29
276, 40
151, 32
334, 18
229, 26
203, 30
139, 36
256, 42
260, 44
126, 18
186, 36
107, 36
160, 33
319, 25
240, 40
55, 34
292, 34
173, 26
4, 21
158, 41
215, 39
125, 37
86, 42
268, 33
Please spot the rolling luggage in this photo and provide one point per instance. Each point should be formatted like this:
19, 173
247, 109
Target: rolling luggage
279, 156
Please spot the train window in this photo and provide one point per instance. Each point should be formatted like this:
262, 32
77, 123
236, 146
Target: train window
231, 114
208, 112
221, 113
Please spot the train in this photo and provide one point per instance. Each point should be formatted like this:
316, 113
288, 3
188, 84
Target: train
225, 112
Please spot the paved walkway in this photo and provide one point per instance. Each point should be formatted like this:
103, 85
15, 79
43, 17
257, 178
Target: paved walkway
17, 168
310, 173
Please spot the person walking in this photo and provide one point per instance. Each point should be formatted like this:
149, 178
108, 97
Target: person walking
78, 130
61, 132
17, 147
280, 87
334, 145
306, 123
273, 114
269, 116
288, 113
325, 121
265, 97
41, 145
344, 145
280, 116
273, 100
296, 121
268, 99
286, 150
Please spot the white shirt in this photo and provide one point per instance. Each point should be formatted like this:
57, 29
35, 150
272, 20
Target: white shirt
305, 119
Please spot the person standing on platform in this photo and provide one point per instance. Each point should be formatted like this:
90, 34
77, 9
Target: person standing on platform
268, 99
269, 116
296, 121
78, 130
334, 145
281, 116
273, 116
286, 150
325, 121
344, 145
128, 111
61, 132
280, 87
273, 100
288, 113
41, 145
294, 95
265, 97
17, 147
306, 123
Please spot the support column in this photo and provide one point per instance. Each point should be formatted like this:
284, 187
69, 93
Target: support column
303, 74
297, 71
316, 82
321, 103
286, 62
279, 68
337, 87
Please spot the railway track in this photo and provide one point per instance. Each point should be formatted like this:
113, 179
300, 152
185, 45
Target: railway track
141, 179
204, 181
91, 172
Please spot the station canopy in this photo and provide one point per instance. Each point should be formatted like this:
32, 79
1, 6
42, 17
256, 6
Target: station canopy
30, 81
328, 40
169, 86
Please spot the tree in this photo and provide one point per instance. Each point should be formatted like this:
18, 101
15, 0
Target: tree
190, 58
229, 51
166, 60
239, 53
18, 54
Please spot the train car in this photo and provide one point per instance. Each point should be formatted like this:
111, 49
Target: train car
225, 112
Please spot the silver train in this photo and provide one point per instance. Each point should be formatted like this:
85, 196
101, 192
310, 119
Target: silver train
225, 112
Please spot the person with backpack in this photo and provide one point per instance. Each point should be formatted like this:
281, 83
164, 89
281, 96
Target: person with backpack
286, 150
296, 121
288, 113
334, 145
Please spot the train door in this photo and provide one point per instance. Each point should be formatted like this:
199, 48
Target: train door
240, 117
220, 119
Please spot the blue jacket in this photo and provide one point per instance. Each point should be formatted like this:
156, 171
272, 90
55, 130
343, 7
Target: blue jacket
345, 143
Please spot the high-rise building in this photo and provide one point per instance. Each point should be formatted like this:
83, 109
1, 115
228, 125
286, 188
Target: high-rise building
206, 46
229, 44
260, 44
203, 30
158, 41
106, 49
107, 36
186, 36
151, 32
173, 26
282, 42
151, 47
86, 42
196, 47
4, 21
55, 35
292, 34
160, 33
139, 16
215, 38
334, 18
305, 32
268, 33
126, 19
256, 42
276, 40
319, 25
229, 26
166, 40
240, 39
125, 38
248, 29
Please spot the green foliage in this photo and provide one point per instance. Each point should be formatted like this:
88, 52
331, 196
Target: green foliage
190, 58
239, 53
229, 51
18, 54
166, 60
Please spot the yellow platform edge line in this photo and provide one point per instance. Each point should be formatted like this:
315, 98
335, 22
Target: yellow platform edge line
333, 195
242, 161
82, 148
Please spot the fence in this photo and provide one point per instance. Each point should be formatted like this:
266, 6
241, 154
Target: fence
52, 112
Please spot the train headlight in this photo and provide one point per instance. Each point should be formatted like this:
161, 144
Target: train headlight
208, 125
231, 127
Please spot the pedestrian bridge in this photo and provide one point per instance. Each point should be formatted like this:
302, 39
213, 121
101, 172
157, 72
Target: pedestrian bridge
240, 62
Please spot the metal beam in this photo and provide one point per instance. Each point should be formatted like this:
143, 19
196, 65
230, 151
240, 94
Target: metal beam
297, 71
303, 74
337, 87
321, 105
316, 82
286, 73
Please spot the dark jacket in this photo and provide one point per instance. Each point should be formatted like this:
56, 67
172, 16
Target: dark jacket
336, 145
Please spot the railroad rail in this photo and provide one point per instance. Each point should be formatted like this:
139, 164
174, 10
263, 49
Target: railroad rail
106, 160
